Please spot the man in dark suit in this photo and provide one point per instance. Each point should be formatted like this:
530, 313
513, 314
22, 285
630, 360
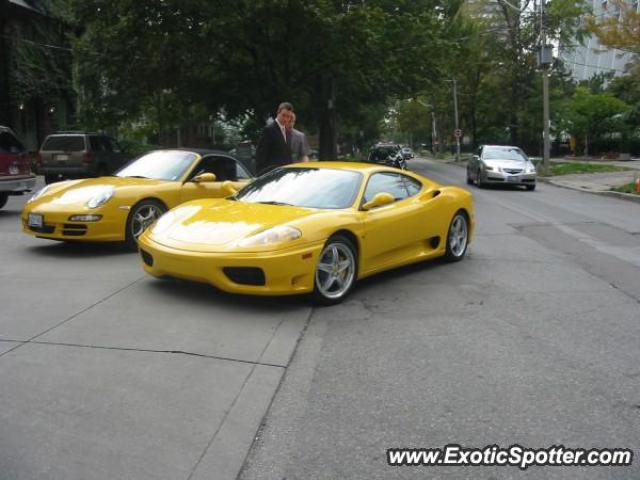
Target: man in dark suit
274, 147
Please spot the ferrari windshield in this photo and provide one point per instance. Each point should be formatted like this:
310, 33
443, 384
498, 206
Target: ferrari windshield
304, 187
509, 153
159, 165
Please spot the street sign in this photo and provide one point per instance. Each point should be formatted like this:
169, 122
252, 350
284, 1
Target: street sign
457, 133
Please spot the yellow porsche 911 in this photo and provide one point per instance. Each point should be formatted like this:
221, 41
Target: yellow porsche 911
310, 228
122, 206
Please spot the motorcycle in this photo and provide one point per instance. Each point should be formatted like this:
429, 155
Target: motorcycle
396, 160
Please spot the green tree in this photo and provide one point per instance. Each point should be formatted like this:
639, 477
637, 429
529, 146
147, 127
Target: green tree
330, 58
589, 116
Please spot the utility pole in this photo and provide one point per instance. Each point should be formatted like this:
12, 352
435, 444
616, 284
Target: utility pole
545, 60
455, 110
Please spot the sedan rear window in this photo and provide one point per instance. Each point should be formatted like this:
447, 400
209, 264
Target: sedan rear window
73, 143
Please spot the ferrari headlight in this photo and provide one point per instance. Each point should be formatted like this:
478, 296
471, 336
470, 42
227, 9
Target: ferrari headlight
163, 223
101, 198
39, 193
271, 236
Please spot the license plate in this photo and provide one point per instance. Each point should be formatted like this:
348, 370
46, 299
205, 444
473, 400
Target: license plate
62, 158
35, 220
513, 179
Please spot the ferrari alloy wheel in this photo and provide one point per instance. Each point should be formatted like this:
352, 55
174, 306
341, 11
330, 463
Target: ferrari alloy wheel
141, 216
336, 271
457, 238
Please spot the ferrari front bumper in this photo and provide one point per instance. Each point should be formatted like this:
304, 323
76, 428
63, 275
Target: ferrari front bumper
282, 272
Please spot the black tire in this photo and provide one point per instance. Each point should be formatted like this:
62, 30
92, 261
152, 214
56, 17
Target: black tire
4, 196
469, 179
531, 188
50, 178
136, 223
102, 171
323, 294
458, 233
479, 182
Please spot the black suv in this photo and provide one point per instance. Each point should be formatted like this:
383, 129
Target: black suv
73, 155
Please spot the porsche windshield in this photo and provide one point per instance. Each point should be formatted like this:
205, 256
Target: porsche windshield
159, 165
304, 187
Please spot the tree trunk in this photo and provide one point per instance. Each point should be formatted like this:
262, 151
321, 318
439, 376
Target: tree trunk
328, 134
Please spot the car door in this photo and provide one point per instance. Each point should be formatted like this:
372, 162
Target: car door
224, 168
396, 232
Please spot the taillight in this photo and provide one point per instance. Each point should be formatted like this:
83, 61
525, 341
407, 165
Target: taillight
87, 157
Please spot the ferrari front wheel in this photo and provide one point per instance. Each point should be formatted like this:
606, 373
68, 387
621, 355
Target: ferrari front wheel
457, 237
336, 271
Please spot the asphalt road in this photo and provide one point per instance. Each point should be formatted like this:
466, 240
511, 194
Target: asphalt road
533, 339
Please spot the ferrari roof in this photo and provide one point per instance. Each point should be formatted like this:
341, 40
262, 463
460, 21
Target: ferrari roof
358, 166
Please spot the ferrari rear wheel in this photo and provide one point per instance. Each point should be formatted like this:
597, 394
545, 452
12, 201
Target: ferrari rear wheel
141, 216
336, 271
458, 237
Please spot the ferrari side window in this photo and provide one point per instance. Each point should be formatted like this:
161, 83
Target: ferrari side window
413, 185
392, 183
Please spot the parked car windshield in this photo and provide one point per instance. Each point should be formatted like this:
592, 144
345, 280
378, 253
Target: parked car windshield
304, 187
9, 143
159, 165
504, 154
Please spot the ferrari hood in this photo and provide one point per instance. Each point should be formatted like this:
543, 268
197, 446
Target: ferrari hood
215, 225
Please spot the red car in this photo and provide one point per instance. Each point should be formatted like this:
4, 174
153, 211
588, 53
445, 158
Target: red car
15, 168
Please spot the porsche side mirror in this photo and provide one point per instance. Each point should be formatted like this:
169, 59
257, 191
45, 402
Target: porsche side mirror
205, 177
229, 188
379, 200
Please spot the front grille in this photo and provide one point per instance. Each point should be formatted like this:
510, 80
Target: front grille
245, 275
146, 258
512, 171
74, 229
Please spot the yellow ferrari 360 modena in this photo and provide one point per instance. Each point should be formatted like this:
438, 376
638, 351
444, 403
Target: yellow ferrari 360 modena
311, 228
122, 206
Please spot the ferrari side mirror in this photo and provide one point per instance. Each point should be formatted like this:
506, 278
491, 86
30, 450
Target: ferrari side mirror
379, 200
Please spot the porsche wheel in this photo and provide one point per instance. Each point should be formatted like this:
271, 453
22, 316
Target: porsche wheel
336, 271
458, 237
141, 216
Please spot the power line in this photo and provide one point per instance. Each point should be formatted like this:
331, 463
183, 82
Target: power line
45, 45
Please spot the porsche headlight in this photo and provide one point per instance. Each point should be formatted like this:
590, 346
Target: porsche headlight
39, 193
272, 236
100, 198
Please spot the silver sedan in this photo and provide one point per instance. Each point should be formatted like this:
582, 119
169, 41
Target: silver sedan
500, 164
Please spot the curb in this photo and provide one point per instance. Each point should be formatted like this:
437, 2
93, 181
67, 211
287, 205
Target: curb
605, 193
